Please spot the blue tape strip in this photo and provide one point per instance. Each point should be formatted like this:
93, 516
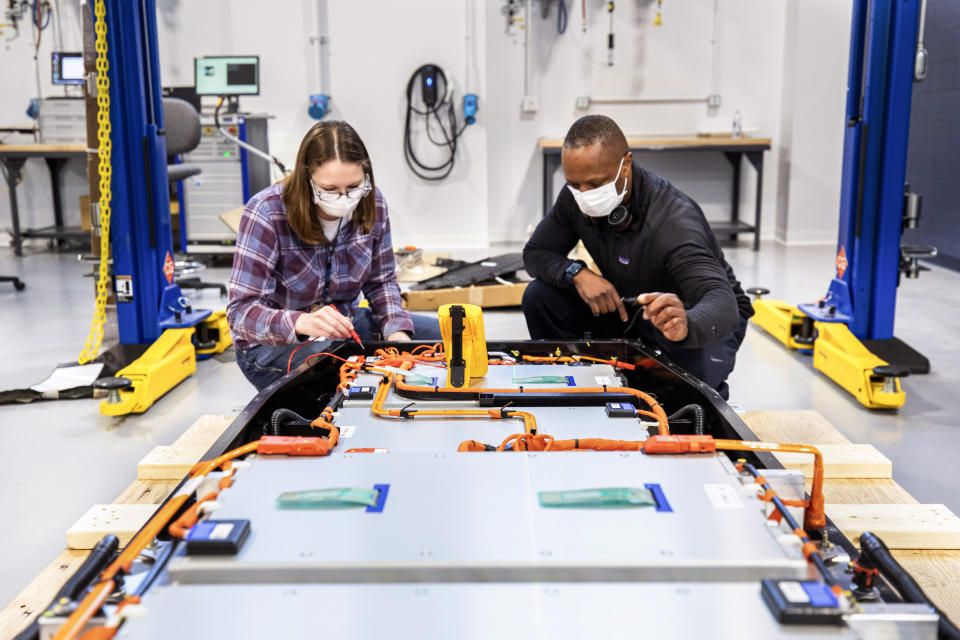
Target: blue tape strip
570, 382
381, 498
659, 496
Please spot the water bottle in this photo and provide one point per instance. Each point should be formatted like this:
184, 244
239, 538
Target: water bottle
737, 124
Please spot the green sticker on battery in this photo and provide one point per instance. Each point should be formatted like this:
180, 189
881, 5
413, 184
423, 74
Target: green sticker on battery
333, 498
543, 380
602, 498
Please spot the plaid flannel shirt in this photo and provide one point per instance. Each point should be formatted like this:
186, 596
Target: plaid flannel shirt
277, 276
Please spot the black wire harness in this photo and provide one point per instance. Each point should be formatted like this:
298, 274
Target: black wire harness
442, 113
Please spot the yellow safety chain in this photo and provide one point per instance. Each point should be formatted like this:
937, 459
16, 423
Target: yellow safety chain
95, 339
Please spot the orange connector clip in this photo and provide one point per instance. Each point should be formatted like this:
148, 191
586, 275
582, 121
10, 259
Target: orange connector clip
293, 446
679, 444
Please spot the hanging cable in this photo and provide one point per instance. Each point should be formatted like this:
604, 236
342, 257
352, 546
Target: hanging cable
244, 145
436, 98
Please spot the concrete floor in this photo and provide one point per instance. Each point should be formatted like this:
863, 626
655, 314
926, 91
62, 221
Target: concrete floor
58, 458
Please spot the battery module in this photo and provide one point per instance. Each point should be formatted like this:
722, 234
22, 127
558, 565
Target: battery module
217, 537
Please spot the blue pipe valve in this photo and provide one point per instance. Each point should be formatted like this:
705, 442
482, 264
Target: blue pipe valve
470, 108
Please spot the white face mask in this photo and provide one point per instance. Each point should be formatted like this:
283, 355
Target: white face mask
339, 208
599, 202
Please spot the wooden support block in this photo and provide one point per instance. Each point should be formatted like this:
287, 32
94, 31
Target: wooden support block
155, 492
842, 461
864, 492
798, 427
122, 520
168, 463
900, 526
204, 432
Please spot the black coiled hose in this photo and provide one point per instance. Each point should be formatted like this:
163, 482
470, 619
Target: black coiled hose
696, 414
284, 417
875, 555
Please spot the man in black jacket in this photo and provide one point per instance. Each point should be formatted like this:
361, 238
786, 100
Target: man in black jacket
651, 242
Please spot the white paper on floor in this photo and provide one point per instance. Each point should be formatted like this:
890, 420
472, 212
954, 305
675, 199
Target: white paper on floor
70, 376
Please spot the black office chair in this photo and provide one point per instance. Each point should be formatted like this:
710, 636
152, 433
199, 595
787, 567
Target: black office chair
182, 124
18, 284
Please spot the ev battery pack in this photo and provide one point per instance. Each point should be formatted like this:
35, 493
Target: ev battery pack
476, 517
559, 610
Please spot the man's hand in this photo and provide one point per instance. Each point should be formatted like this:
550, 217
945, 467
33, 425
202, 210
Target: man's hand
325, 322
599, 294
665, 311
398, 336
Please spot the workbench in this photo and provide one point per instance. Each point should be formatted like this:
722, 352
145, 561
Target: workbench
935, 570
13, 157
733, 149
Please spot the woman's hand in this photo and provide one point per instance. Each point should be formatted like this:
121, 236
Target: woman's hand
398, 336
325, 322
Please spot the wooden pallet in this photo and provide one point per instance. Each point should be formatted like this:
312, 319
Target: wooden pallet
935, 570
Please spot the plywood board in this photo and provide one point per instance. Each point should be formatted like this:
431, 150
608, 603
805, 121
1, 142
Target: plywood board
842, 461
168, 462
204, 432
37, 595
865, 491
122, 520
900, 526
798, 427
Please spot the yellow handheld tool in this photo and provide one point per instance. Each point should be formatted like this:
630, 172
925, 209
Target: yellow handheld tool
464, 344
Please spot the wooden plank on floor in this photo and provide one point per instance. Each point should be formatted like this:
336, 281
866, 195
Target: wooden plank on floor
204, 432
842, 461
171, 462
936, 572
37, 595
122, 520
147, 492
798, 427
900, 526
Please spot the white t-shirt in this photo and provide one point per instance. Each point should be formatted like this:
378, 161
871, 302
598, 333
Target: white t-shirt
330, 228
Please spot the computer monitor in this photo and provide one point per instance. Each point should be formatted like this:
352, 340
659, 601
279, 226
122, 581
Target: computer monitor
227, 75
66, 68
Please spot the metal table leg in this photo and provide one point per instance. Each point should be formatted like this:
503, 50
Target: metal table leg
734, 158
14, 169
550, 163
55, 164
756, 159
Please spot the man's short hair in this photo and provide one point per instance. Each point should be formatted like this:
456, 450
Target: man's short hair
596, 129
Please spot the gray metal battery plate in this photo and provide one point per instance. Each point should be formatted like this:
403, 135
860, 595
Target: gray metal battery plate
475, 517
559, 610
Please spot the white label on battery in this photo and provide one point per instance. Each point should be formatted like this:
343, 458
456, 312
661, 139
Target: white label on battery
353, 359
723, 496
381, 451
221, 531
604, 381
488, 264
347, 431
794, 592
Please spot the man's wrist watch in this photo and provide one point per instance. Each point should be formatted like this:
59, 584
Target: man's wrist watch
573, 270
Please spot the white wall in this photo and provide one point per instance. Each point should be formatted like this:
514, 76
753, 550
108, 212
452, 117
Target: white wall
817, 52
781, 62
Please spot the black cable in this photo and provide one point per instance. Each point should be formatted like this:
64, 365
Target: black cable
561, 17
449, 132
696, 413
159, 563
875, 555
284, 417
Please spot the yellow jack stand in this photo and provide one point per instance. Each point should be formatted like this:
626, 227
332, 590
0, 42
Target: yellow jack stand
163, 366
837, 353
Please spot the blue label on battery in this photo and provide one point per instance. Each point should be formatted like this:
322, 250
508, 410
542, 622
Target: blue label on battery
820, 594
201, 531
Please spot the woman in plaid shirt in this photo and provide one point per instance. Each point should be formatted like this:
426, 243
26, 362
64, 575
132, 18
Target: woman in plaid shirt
307, 248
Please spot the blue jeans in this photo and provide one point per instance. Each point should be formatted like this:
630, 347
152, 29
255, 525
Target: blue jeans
262, 365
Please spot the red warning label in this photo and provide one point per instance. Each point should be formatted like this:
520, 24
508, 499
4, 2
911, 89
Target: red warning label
168, 268
841, 262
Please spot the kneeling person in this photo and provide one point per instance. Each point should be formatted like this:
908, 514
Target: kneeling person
650, 241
